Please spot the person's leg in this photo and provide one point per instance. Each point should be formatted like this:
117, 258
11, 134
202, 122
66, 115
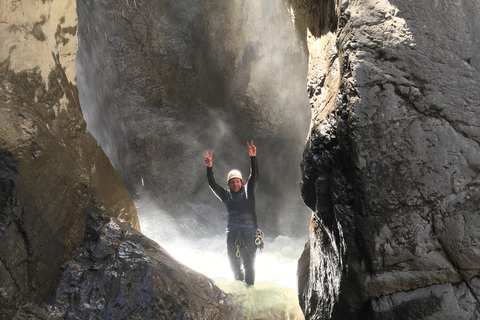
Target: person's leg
249, 265
248, 255
235, 262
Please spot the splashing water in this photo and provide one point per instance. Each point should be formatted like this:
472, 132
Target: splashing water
274, 295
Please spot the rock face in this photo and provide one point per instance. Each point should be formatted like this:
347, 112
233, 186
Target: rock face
162, 82
60, 195
121, 274
391, 165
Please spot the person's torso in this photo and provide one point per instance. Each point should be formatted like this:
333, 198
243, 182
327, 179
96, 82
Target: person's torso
240, 209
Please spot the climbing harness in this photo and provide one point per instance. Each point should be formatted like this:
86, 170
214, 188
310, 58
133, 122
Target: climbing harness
259, 239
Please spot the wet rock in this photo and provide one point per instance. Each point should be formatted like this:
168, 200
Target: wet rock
390, 165
450, 301
124, 274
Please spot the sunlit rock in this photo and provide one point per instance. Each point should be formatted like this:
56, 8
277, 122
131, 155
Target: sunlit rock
391, 163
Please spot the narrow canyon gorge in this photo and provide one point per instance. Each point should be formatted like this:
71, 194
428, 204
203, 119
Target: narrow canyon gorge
366, 118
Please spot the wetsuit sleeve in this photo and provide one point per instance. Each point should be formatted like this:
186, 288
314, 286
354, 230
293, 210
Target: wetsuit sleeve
253, 178
216, 188
252, 186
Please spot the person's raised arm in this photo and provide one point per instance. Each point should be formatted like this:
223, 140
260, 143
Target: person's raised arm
253, 178
252, 151
216, 188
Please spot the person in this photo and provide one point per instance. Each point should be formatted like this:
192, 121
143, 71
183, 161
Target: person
239, 201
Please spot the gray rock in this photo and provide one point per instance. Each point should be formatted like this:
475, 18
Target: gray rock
445, 301
390, 166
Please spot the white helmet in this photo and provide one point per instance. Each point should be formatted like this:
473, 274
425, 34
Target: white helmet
234, 174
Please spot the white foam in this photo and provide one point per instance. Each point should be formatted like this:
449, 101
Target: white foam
274, 295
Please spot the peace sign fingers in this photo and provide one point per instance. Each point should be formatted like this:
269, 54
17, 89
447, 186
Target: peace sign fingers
208, 158
252, 150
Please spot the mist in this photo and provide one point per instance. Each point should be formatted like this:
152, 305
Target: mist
160, 83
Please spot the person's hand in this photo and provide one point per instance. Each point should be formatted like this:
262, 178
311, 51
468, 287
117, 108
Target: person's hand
252, 150
208, 158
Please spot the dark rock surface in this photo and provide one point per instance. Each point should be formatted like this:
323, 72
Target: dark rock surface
391, 164
162, 82
121, 274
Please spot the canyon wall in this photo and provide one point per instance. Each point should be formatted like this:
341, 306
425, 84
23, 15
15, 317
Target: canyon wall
391, 165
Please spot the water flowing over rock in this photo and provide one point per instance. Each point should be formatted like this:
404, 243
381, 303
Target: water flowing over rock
390, 167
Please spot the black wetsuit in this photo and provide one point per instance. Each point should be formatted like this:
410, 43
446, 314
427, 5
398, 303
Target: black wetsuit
242, 223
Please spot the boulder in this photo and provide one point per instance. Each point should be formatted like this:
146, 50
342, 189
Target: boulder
121, 274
